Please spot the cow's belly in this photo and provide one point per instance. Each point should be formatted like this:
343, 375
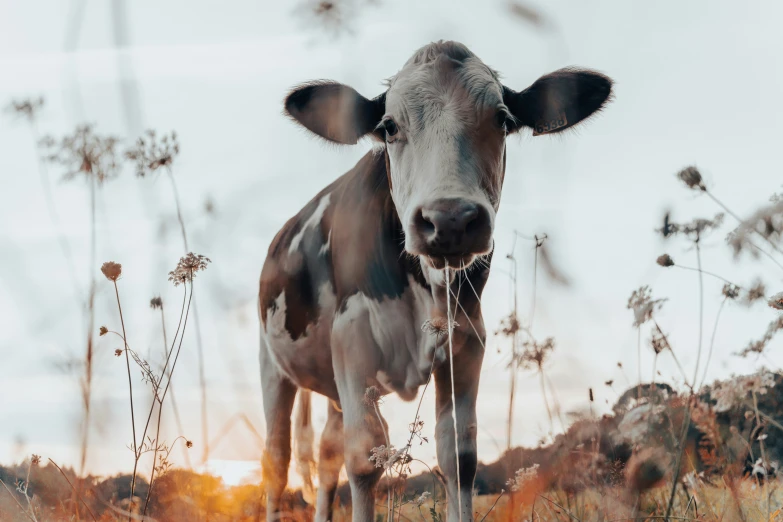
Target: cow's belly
307, 360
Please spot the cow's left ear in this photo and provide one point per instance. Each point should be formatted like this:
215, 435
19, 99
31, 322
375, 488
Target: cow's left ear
335, 111
559, 100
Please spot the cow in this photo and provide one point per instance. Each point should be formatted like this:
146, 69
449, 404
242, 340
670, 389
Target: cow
396, 243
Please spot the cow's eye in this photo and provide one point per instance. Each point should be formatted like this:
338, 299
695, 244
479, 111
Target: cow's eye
389, 127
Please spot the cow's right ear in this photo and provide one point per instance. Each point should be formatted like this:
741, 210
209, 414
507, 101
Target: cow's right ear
335, 111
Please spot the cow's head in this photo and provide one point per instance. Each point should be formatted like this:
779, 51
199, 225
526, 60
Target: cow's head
443, 122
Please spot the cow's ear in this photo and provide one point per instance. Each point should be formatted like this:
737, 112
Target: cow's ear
335, 111
559, 100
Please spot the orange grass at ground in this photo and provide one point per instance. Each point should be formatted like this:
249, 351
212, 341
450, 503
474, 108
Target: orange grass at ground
706, 503
709, 503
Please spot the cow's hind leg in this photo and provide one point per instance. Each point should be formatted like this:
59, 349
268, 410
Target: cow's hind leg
330, 461
279, 394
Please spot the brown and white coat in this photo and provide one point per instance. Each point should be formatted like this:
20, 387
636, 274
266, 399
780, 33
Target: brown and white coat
350, 280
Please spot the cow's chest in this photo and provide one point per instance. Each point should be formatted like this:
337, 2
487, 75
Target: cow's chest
394, 343
401, 343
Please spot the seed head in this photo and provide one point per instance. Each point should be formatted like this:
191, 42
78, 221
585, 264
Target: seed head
438, 326
665, 260
692, 178
659, 342
156, 302
187, 267
730, 291
27, 108
117, 352
111, 270
151, 154
421, 499
84, 153
643, 305
522, 477
35, 460
189, 443
372, 396
755, 293
776, 301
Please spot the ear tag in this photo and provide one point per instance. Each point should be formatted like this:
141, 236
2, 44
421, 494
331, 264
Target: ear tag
547, 126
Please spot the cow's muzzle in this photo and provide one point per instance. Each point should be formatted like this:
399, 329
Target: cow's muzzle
452, 230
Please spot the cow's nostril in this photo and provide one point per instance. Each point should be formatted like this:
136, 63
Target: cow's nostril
424, 224
469, 216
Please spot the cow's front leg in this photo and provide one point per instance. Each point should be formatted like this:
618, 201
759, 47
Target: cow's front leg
355, 359
467, 367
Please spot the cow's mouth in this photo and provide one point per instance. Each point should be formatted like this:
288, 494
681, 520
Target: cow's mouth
455, 262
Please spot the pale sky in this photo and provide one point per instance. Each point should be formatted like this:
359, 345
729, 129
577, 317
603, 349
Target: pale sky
693, 86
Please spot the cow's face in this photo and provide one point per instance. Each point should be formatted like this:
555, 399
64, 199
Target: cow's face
443, 122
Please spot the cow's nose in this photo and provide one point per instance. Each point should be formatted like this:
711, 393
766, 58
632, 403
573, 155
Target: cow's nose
453, 226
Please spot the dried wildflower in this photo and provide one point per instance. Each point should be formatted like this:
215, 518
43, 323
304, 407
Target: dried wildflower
528, 14
118, 352
755, 293
522, 477
156, 302
509, 326
27, 108
730, 291
646, 469
187, 267
36, 459
776, 301
659, 342
534, 353
111, 270
759, 345
767, 222
643, 305
84, 153
103, 331
151, 154
665, 260
692, 178
372, 396
733, 391
384, 457
421, 499
333, 16
438, 326
189, 443
693, 230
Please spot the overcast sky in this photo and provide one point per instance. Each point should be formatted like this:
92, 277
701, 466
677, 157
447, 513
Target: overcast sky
693, 86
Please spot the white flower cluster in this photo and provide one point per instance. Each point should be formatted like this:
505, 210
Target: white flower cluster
730, 393
522, 477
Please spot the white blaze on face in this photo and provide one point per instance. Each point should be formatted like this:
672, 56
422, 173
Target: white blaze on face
448, 143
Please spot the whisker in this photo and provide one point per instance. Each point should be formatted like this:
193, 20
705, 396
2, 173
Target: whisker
449, 325
469, 321
475, 293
